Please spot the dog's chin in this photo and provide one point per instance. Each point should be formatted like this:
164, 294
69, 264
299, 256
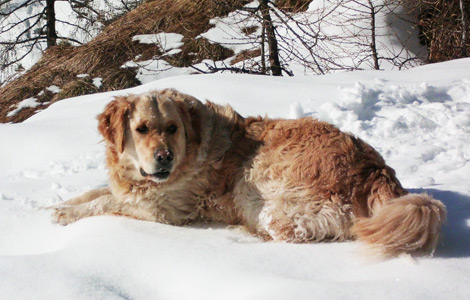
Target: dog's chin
161, 175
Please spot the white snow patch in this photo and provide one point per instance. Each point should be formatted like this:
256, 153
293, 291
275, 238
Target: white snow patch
26, 103
53, 89
228, 30
98, 82
166, 41
151, 70
296, 111
157, 68
173, 52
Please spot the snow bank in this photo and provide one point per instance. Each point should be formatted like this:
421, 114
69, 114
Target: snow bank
417, 119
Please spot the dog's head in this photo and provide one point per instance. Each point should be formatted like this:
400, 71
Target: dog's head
154, 131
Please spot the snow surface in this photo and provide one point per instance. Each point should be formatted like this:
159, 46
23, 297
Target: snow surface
418, 119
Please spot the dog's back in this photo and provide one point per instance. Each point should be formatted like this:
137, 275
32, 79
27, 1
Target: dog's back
317, 183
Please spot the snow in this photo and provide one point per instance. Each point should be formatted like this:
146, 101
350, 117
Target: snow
296, 111
227, 30
53, 89
418, 119
166, 41
98, 82
158, 68
68, 24
26, 103
154, 69
343, 39
343, 31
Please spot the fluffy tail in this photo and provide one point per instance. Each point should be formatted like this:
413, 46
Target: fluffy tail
408, 224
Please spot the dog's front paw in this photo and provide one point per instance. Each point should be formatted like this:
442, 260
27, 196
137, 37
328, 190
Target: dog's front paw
64, 215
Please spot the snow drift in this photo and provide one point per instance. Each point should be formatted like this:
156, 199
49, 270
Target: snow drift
418, 119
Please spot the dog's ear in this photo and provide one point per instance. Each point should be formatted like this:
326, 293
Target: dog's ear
190, 114
113, 121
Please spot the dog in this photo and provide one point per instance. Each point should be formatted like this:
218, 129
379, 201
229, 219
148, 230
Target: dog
175, 160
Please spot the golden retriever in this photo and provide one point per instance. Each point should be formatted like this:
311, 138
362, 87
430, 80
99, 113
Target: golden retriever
173, 159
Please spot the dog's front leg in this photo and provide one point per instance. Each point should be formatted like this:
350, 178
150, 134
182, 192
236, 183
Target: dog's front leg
105, 204
75, 209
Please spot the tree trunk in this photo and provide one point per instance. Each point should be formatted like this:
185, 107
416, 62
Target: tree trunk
263, 50
272, 41
373, 44
464, 28
51, 34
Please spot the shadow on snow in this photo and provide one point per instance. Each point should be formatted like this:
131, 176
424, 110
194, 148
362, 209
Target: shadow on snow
455, 241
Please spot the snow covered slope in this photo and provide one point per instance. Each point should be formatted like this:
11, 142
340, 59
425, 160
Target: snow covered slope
418, 119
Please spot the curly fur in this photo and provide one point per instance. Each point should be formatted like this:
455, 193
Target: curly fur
286, 180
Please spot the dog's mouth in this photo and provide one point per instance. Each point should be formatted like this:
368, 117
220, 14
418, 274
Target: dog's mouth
161, 174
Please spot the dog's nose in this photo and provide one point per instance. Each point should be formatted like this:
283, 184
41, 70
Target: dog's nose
164, 156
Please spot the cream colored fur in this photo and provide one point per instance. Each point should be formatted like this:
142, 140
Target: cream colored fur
285, 180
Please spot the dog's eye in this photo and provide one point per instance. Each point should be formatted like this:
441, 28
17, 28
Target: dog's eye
171, 129
143, 129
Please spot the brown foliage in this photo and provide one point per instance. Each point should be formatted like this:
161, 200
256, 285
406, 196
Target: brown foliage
196, 50
441, 27
294, 6
105, 54
244, 55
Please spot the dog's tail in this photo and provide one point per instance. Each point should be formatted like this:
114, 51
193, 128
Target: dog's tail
406, 224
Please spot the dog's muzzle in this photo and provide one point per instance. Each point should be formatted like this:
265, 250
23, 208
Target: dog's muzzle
164, 161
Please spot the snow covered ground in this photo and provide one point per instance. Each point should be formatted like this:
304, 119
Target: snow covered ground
418, 119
